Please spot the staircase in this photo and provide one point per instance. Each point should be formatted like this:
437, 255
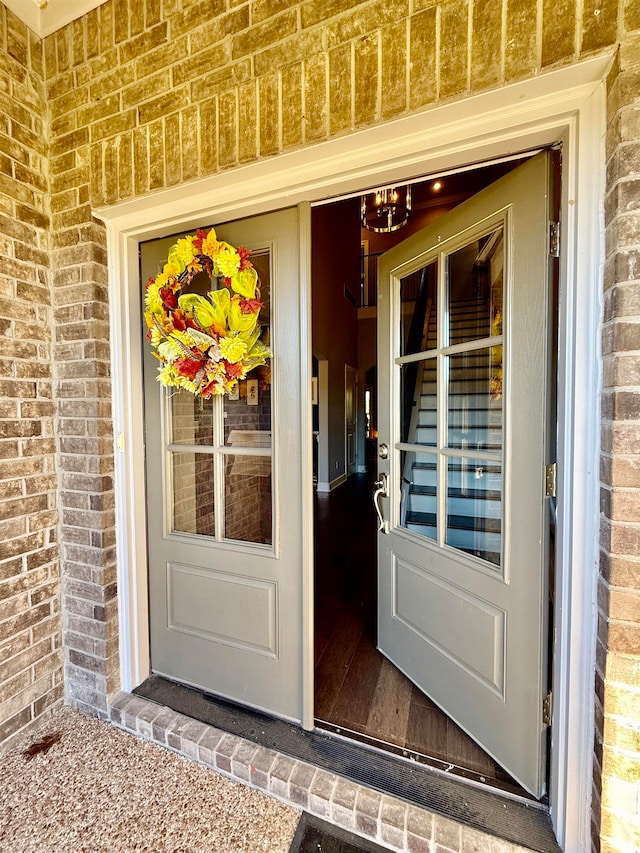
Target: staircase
474, 422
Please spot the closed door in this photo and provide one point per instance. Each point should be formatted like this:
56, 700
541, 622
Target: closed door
224, 498
463, 394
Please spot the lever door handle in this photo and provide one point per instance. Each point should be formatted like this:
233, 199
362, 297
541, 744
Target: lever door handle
382, 490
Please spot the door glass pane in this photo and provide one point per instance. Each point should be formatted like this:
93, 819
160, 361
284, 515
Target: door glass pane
193, 496
247, 496
419, 505
474, 508
247, 420
191, 418
419, 402
475, 285
475, 400
418, 293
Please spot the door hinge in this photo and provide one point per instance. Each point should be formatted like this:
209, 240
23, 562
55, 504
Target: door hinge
550, 480
554, 239
547, 709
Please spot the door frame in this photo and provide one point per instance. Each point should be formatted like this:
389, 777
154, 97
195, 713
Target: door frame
565, 105
348, 369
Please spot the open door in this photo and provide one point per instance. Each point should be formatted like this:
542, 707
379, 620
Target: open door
463, 314
223, 501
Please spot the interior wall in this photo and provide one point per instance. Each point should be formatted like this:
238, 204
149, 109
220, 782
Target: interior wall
335, 267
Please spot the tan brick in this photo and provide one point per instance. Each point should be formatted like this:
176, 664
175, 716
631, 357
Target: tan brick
264, 34
422, 68
269, 99
453, 62
143, 43
394, 68
190, 18
291, 50
558, 30
631, 15
227, 128
291, 109
486, 45
341, 89
248, 126
113, 125
366, 74
140, 160
315, 98
164, 105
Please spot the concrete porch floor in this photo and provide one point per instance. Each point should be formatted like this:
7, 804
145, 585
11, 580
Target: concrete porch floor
98, 789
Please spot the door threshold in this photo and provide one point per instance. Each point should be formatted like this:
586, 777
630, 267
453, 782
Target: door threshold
524, 823
449, 770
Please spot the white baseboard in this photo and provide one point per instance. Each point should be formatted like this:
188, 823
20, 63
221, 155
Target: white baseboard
329, 487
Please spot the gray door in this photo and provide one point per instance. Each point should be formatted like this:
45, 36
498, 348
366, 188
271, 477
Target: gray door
224, 497
463, 384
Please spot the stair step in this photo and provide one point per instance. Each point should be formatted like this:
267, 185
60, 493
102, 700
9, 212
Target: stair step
490, 479
462, 532
468, 523
464, 505
474, 418
468, 494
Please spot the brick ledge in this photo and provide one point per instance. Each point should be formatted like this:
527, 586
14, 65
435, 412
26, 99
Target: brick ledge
377, 817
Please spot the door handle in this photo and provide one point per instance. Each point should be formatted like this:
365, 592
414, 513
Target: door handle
382, 490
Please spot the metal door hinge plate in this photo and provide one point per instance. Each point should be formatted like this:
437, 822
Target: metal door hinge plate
547, 709
550, 480
554, 239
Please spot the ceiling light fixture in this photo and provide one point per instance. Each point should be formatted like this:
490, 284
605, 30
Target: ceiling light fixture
387, 209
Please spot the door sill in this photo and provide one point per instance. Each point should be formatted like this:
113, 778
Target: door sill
510, 790
526, 823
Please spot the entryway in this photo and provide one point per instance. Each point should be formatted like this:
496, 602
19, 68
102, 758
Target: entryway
453, 586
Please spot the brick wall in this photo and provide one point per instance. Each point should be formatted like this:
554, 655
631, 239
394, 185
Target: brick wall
145, 94
617, 736
30, 638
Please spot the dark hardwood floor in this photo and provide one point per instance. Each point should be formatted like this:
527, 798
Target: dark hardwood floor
358, 692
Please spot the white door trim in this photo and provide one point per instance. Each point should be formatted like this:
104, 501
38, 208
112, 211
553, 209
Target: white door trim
565, 104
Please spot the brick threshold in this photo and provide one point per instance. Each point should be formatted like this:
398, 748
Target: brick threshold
377, 817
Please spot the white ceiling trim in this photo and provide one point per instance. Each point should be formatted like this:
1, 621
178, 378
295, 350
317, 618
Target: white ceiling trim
44, 17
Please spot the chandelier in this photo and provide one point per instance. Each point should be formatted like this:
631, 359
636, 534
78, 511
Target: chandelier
386, 210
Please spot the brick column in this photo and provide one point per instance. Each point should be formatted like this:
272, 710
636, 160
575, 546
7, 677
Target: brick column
616, 810
30, 640
82, 379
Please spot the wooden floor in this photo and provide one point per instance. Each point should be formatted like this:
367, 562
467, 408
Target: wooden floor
358, 691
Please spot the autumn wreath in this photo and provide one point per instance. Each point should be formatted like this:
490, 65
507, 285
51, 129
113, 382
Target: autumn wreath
205, 343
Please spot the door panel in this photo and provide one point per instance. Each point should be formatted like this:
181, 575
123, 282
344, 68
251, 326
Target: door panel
222, 474
463, 340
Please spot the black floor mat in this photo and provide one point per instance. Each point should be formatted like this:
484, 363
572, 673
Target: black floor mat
316, 836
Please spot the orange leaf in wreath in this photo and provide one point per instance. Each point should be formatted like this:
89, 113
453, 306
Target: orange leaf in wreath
245, 263
233, 371
188, 367
169, 299
250, 306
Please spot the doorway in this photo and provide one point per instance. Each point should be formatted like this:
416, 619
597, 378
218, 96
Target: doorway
359, 692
